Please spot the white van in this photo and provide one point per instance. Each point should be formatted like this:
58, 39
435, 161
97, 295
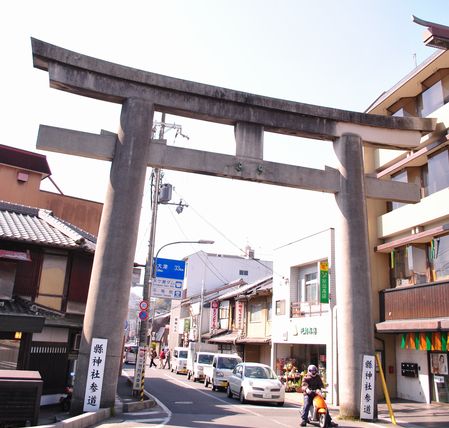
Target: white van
222, 366
130, 353
197, 362
179, 360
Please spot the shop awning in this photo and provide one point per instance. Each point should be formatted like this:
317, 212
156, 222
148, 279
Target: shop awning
225, 338
235, 338
425, 341
415, 238
254, 340
403, 326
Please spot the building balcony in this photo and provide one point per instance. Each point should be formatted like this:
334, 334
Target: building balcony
423, 301
307, 309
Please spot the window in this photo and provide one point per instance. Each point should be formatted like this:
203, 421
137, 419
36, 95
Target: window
255, 312
269, 310
431, 99
402, 178
243, 272
410, 265
440, 258
311, 287
224, 314
280, 307
437, 171
52, 281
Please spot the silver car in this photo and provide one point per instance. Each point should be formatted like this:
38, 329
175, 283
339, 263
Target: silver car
255, 382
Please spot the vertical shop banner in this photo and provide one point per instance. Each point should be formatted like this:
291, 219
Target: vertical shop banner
214, 314
368, 387
239, 314
95, 375
324, 282
140, 367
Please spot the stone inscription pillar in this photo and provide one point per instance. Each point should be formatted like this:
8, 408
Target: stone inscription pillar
354, 319
110, 283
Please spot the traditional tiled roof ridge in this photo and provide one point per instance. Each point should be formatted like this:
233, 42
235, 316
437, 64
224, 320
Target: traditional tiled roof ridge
38, 226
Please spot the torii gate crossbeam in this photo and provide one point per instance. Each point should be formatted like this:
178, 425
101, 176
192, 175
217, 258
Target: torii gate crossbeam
132, 150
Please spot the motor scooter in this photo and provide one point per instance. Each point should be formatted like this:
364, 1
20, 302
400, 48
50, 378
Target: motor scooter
66, 399
319, 411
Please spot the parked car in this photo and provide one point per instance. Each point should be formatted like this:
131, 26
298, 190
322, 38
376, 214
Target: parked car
179, 360
130, 354
255, 382
197, 362
221, 369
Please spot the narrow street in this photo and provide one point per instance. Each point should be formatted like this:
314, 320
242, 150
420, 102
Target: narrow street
183, 403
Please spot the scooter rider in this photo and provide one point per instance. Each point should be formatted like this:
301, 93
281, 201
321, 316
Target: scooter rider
311, 383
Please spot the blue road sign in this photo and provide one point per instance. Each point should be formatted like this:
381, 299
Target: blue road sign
171, 269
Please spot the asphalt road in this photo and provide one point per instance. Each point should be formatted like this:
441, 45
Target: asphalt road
184, 403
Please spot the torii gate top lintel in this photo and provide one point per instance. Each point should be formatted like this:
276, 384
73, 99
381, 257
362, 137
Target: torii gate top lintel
85, 75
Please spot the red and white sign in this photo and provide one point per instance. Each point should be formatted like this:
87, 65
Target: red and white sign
214, 315
144, 305
239, 314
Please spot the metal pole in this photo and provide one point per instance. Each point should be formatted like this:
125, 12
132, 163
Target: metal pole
147, 280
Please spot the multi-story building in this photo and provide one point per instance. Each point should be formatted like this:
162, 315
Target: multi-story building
410, 262
304, 309
45, 266
240, 321
47, 243
206, 277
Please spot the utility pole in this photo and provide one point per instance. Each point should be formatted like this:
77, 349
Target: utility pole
148, 273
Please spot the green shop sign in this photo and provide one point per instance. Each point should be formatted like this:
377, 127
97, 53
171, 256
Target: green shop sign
324, 282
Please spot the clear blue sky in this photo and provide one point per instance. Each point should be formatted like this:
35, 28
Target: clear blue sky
339, 54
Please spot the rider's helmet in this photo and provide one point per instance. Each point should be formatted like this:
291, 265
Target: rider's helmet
312, 369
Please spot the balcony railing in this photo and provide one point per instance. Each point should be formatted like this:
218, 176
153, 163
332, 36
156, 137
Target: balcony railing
307, 309
415, 301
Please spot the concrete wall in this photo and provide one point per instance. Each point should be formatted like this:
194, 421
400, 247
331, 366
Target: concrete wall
80, 212
412, 388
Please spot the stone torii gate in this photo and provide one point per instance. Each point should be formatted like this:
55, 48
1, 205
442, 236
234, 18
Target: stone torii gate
132, 150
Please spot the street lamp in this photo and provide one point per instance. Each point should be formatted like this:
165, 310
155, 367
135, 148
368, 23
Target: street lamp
149, 274
200, 241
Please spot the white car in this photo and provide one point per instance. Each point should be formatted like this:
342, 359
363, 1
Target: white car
255, 382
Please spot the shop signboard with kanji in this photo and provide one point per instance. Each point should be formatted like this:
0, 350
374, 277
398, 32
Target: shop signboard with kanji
95, 375
324, 282
368, 388
140, 367
168, 279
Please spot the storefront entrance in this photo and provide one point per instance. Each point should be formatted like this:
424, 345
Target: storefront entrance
439, 377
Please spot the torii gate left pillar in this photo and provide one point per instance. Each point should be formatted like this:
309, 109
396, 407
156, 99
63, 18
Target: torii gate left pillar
111, 273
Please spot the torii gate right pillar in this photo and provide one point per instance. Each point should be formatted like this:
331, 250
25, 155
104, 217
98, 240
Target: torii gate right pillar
354, 318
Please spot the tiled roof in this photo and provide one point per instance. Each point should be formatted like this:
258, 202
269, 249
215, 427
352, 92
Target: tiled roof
36, 226
25, 308
261, 284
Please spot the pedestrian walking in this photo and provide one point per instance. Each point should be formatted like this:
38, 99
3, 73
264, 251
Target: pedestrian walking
167, 358
153, 355
162, 358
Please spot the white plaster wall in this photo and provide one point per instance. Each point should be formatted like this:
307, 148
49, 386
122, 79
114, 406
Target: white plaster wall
217, 270
431, 208
410, 388
52, 334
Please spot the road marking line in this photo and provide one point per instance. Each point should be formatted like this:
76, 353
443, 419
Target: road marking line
153, 412
210, 394
280, 423
151, 420
183, 402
